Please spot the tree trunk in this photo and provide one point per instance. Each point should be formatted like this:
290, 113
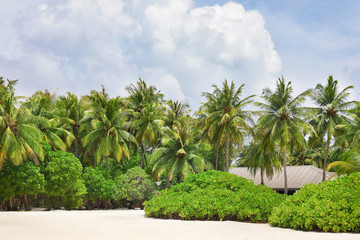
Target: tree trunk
262, 177
107, 162
76, 142
217, 157
285, 175
326, 156
143, 156
26, 203
167, 182
227, 153
146, 162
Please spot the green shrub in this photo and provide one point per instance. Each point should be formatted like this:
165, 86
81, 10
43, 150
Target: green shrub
64, 183
135, 186
99, 183
23, 181
214, 195
331, 206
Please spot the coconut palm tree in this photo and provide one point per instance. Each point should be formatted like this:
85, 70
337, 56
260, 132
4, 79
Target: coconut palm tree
141, 95
147, 126
176, 112
225, 119
176, 156
255, 158
332, 110
281, 124
19, 137
107, 125
41, 106
70, 111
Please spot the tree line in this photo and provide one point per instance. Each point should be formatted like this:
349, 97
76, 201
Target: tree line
172, 143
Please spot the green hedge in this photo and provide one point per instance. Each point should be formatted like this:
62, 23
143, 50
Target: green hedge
214, 195
332, 206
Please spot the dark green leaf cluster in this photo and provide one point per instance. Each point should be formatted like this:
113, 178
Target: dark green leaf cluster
135, 185
331, 206
64, 183
215, 195
99, 184
16, 181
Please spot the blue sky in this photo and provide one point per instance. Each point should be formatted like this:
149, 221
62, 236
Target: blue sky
180, 46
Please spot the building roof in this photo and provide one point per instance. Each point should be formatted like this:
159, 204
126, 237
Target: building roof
298, 176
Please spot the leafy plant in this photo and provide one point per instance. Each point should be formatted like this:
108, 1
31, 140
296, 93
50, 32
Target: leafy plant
214, 195
135, 186
64, 183
331, 206
21, 182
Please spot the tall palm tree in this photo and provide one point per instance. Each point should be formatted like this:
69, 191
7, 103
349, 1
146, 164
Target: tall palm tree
176, 113
332, 110
176, 156
141, 95
70, 111
107, 125
281, 124
41, 106
147, 127
256, 158
225, 119
19, 137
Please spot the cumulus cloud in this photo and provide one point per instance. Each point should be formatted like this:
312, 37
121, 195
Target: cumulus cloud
77, 45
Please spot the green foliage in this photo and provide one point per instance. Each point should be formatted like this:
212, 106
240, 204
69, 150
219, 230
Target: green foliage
331, 206
215, 195
64, 183
99, 184
16, 181
135, 185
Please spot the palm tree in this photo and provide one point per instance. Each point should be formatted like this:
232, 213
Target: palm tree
348, 162
332, 110
176, 113
41, 106
71, 111
281, 124
255, 158
147, 127
107, 125
225, 120
176, 156
19, 137
141, 95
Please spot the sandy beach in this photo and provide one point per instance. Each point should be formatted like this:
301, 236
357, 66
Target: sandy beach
131, 224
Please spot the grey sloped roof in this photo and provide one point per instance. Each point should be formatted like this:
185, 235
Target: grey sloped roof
298, 176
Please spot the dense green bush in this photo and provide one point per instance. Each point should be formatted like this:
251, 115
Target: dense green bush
135, 186
99, 183
332, 206
215, 195
23, 181
64, 183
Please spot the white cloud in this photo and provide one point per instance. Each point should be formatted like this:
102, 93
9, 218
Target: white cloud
77, 45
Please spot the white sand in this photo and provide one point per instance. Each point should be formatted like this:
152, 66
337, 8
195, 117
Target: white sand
132, 225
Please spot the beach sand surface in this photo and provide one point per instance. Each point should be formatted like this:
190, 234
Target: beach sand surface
132, 225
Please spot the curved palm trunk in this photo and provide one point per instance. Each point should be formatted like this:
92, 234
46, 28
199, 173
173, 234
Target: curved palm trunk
262, 177
326, 156
76, 141
217, 157
143, 156
227, 153
285, 175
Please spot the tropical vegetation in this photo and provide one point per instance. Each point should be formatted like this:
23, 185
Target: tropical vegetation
69, 151
215, 195
331, 206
